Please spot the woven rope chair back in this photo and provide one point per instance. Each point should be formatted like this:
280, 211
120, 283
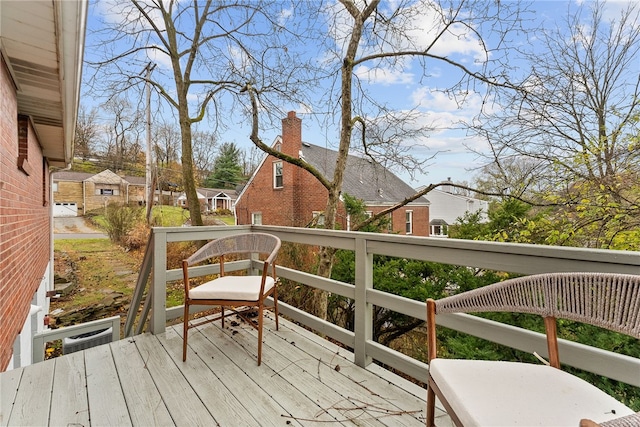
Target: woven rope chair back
607, 300
261, 243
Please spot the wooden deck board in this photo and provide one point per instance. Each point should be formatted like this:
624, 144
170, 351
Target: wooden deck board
294, 403
179, 396
69, 402
36, 380
144, 401
9, 382
210, 389
143, 381
266, 409
107, 405
359, 389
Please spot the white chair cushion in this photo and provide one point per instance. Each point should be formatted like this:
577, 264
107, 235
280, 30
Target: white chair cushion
488, 393
237, 288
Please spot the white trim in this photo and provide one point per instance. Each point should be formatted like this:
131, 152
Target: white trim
275, 165
408, 220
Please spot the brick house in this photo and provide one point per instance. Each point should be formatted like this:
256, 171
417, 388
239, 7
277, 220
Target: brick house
279, 193
83, 192
40, 72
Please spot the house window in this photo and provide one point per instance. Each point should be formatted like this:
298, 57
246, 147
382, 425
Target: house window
409, 222
55, 187
23, 143
318, 218
45, 183
108, 192
256, 218
390, 223
277, 175
439, 230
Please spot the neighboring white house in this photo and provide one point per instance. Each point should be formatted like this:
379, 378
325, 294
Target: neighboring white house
447, 206
212, 199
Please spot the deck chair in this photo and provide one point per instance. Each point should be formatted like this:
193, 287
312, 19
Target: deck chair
497, 393
234, 291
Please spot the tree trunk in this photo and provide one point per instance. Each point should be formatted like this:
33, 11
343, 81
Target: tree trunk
325, 264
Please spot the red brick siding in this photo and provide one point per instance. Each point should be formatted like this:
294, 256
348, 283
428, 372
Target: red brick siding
24, 222
420, 219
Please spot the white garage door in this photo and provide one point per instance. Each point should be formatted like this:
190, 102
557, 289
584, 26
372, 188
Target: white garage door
65, 209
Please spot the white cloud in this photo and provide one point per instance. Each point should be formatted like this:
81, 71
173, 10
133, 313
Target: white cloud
384, 76
159, 58
124, 13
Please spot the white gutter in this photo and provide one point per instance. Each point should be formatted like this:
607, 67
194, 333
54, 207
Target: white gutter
71, 24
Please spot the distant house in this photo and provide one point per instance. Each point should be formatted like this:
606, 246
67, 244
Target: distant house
279, 193
211, 199
76, 193
447, 207
41, 52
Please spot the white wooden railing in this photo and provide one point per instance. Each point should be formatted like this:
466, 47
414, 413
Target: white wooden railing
507, 257
41, 338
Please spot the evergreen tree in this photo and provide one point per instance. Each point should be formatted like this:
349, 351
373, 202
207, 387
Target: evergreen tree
227, 168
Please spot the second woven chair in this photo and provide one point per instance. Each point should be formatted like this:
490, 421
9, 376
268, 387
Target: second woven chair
234, 291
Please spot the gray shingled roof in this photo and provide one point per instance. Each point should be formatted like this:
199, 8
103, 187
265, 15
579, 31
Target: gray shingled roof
84, 176
213, 192
363, 179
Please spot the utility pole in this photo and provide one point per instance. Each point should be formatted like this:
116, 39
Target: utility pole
150, 190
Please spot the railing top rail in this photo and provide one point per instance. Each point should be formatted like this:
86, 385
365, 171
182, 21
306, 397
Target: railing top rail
493, 255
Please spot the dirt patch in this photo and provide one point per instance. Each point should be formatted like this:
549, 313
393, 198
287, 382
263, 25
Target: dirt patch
103, 276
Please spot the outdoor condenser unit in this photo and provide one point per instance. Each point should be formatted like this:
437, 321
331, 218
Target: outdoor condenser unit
88, 340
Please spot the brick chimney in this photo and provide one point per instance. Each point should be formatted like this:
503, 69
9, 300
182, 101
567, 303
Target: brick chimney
291, 134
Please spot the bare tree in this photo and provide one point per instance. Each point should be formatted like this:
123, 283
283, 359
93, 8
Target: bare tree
87, 133
209, 50
576, 119
205, 148
166, 144
365, 37
122, 142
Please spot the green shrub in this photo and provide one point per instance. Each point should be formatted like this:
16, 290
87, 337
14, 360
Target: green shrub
120, 220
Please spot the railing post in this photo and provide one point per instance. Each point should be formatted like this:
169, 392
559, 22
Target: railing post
363, 327
158, 320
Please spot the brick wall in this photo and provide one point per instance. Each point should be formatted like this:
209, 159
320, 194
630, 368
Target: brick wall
398, 219
24, 221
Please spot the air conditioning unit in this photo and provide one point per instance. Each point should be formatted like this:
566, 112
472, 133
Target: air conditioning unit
88, 340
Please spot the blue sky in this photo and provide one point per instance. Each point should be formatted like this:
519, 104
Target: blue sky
445, 152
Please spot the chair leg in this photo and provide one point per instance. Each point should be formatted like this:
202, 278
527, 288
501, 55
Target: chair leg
222, 313
275, 305
185, 331
431, 406
260, 323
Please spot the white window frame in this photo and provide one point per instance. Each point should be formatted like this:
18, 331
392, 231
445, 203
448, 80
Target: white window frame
278, 166
408, 222
108, 191
319, 215
256, 218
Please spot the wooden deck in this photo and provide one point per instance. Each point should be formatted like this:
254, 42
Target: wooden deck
142, 381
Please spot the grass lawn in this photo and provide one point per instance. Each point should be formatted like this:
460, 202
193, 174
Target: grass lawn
167, 216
